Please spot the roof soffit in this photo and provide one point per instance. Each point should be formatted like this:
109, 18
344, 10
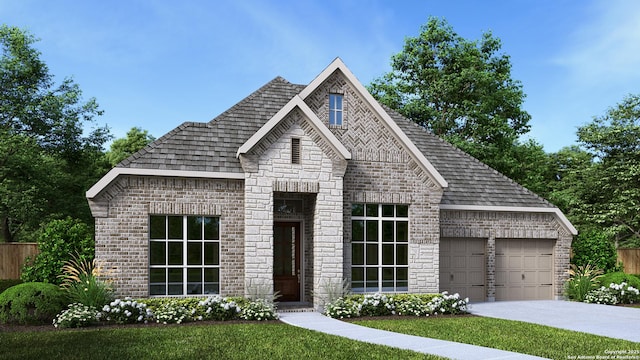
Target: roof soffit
338, 65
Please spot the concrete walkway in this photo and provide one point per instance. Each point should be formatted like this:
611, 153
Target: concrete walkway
318, 322
605, 320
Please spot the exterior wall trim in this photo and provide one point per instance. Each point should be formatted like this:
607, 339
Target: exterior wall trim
280, 115
337, 64
118, 171
559, 215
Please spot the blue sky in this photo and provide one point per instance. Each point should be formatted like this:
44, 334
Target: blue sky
155, 64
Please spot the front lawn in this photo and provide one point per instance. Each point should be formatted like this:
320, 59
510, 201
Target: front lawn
271, 340
507, 335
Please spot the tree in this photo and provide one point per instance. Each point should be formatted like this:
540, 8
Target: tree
461, 90
124, 147
47, 159
610, 193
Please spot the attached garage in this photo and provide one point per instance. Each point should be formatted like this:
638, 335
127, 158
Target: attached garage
524, 269
462, 267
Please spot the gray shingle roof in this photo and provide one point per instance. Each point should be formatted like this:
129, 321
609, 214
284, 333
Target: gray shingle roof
212, 147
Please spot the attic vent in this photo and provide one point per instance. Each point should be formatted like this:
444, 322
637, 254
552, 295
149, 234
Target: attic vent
295, 150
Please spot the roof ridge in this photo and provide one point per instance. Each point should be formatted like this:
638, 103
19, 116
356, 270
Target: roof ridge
464, 153
262, 89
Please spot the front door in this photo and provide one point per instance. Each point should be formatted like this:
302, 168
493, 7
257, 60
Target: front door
286, 260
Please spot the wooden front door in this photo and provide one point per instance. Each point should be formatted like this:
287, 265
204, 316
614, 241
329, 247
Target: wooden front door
286, 260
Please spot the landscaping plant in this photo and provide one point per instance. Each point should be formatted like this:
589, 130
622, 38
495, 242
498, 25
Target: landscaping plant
582, 279
82, 282
77, 315
31, 303
127, 311
58, 241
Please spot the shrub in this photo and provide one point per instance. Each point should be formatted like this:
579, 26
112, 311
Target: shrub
77, 315
376, 305
582, 280
172, 313
31, 303
448, 304
83, 285
618, 278
57, 242
399, 304
216, 308
260, 310
602, 295
127, 311
342, 308
625, 293
595, 248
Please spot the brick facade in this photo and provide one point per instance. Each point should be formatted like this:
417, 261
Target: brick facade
122, 226
382, 169
508, 225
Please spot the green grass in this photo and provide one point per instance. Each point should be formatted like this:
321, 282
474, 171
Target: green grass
508, 335
224, 341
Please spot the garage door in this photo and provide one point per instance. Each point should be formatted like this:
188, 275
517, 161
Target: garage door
462, 267
524, 269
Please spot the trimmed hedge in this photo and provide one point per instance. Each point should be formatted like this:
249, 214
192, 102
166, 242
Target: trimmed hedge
619, 277
31, 303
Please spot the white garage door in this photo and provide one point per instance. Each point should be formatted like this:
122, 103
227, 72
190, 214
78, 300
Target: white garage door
462, 267
524, 269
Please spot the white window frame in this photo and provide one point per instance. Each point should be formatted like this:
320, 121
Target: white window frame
335, 111
380, 243
185, 266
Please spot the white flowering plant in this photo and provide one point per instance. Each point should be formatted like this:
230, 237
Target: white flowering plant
172, 313
377, 304
216, 308
602, 295
625, 293
127, 311
77, 315
259, 309
342, 308
448, 304
399, 304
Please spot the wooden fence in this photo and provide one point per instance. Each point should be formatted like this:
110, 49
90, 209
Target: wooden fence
630, 260
13, 256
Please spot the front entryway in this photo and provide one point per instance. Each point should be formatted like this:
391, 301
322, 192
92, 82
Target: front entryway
286, 260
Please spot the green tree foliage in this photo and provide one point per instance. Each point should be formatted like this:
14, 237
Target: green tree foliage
595, 248
462, 91
124, 147
47, 160
59, 241
609, 192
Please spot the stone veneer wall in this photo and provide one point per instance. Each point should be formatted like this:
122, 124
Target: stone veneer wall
381, 171
268, 168
122, 226
509, 225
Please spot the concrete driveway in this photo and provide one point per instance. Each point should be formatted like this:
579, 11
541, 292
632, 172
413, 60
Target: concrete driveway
605, 320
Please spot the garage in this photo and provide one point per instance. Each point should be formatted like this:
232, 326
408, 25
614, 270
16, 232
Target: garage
462, 267
524, 269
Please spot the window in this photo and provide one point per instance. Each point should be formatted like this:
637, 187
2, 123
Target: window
295, 150
335, 109
184, 255
379, 248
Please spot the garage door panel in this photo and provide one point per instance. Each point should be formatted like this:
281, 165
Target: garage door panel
524, 269
462, 267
